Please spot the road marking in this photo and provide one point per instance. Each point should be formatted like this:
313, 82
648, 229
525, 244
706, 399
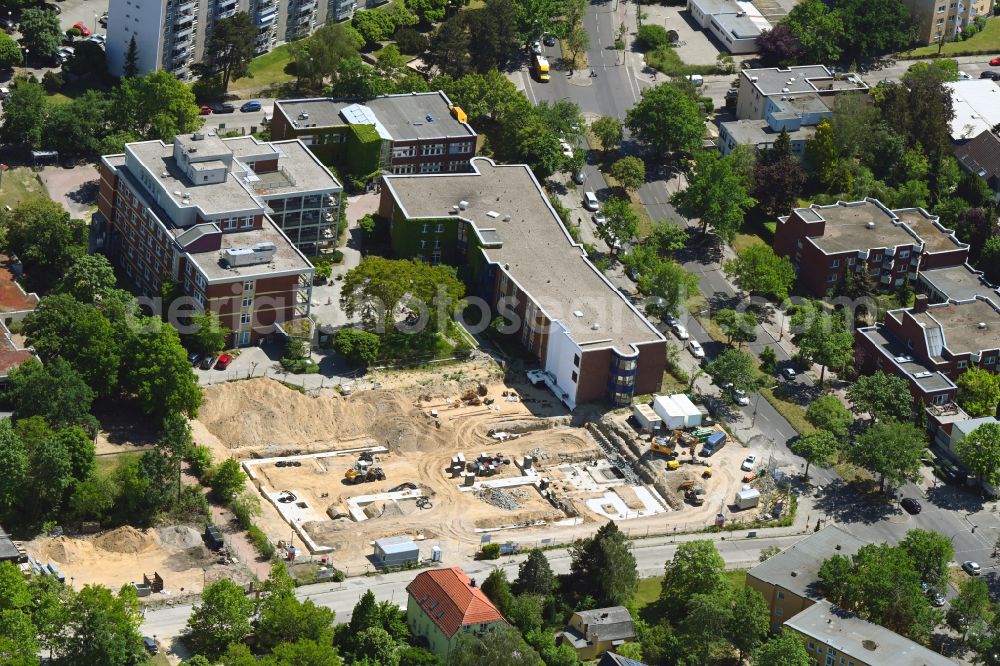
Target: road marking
529, 88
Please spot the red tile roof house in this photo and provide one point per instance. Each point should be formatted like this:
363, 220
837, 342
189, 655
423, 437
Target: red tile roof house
824, 242
444, 602
15, 304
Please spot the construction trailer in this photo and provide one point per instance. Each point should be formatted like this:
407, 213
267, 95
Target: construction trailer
692, 415
669, 411
397, 551
747, 498
646, 417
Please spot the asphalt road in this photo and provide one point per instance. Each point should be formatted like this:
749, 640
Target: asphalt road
650, 554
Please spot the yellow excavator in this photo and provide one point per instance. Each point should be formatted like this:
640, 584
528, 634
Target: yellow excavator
364, 472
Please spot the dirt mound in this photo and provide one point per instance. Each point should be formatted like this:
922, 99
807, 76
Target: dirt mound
389, 509
272, 415
66, 550
629, 496
127, 540
179, 536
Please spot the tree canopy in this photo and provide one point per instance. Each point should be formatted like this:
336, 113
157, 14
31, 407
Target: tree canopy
979, 451
979, 392
735, 367
758, 270
881, 396
818, 448
667, 119
890, 449
716, 194
828, 413
603, 567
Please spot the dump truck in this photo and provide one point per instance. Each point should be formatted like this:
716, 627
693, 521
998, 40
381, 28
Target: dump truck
693, 492
540, 68
364, 472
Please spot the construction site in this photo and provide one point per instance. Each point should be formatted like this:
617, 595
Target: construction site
451, 468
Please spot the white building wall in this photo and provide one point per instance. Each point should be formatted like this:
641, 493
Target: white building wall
559, 356
143, 19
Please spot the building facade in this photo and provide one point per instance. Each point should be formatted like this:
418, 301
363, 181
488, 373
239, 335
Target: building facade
172, 34
937, 20
399, 134
886, 246
760, 90
497, 225
735, 23
188, 214
445, 603
594, 632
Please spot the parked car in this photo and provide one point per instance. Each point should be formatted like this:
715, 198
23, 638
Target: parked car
748, 463
964, 76
599, 219
150, 645
990, 75
971, 568
937, 599
98, 39
84, 31
681, 332
103, 21
205, 110
194, 357
579, 177
590, 201
549, 40
789, 373
995, 62
669, 320
911, 505
223, 362
536, 47
252, 105
53, 8
567, 150
207, 362
739, 397
223, 108
696, 349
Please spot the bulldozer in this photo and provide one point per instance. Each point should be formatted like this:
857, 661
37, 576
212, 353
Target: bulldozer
364, 472
693, 492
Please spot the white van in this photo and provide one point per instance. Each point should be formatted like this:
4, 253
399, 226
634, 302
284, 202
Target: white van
590, 201
697, 79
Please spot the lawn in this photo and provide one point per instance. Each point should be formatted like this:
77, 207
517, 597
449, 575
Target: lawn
271, 68
793, 412
987, 40
648, 592
20, 185
698, 307
666, 60
107, 464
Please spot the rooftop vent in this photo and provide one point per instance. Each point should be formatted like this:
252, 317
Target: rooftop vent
981, 325
164, 174
870, 225
177, 193
197, 136
922, 375
754, 79
595, 326
261, 253
837, 547
304, 115
869, 644
793, 574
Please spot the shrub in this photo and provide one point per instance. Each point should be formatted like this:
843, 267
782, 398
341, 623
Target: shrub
260, 542
463, 349
52, 82
410, 41
322, 271
199, 460
336, 257
491, 551
652, 36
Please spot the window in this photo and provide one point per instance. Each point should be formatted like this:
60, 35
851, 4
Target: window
439, 228
576, 360
461, 148
404, 168
781, 595
574, 376
778, 612
245, 318
423, 244
424, 228
832, 277
904, 254
941, 399
200, 281
435, 258
229, 223
247, 222
247, 301
962, 364
456, 165
991, 360
430, 167
404, 151
432, 149
248, 285
835, 263
877, 258
850, 261
437, 245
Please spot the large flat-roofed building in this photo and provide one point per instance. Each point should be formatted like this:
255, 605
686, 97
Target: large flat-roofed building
835, 636
190, 213
788, 580
498, 226
889, 246
944, 19
977, 108
735, 23
400, 134
932, 345
759, 87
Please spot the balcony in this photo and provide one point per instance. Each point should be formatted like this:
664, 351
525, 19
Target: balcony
185, 7
183, 34
182, 19
180, 54
304, 20
267, 18
227, 13
306, 5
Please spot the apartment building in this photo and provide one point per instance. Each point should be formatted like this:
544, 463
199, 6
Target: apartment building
937, 20
889, 246
834, 636
172, 34
772, 90
400, 134
787, 581
190, 212
735, 23
932, 345
981, 156
497, 225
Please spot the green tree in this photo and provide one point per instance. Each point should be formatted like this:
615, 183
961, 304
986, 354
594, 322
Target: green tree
497, 588
357, 346
828, 413
890, 449
603, 567
319, 55
45, 239
989, 259
416, 656
786, 649
93, 498
608, 132
979, 392
157, 371
373, 26
24, 113
54, 391
227, 478
822, 155
716, 194
819, 30
493, 35
669, 282
577, 42
695, 569
498, 644
14, 471
979, 451
668, 120
630, 172
130, 69
758, 270
222, 617
768, 360
872, 29
156, 106
537, 144
668, 238
819, 448
972, 609
301, 653
734, 367
931, 552
229, 49
18, 643
738, 326
778, 177
101, 627
534, 575
428, 11
209, 335
89, 276
827, 341
449, 51
285, 619
87, 60
882, 396
41, 33
10, 52
621, 222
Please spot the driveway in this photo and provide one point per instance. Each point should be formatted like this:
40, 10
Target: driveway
75, 189
326, 308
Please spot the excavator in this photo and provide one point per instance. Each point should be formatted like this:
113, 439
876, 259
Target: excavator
364, 472
668, 446
693, 492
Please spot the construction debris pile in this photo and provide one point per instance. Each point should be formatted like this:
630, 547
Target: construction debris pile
508, 499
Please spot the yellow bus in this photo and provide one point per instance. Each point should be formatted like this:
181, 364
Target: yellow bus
540, 67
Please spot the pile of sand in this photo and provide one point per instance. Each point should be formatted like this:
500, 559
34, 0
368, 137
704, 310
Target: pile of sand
627, 494
66, 550
126, 540
179, 536
270, 414
389, 509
